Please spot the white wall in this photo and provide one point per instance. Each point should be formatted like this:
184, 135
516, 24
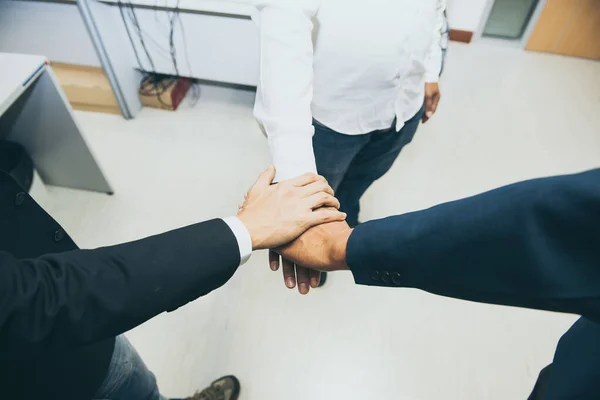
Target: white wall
227, 49
220, 48
50, 29
466, 15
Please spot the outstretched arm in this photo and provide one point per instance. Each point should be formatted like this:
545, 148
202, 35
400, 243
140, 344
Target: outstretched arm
533, 244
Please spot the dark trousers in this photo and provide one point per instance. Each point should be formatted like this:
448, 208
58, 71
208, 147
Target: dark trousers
575, 371
351, 163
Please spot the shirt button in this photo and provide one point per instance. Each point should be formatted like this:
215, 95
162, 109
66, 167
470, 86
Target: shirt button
59, 235
19, 199
375, 275
396, 278
385, 277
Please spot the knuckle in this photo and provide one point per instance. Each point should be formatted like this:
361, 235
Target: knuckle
286, 189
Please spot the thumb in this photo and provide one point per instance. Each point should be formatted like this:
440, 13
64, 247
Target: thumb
266, 178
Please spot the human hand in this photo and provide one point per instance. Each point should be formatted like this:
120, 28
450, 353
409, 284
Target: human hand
432, 99
307, 278
277, 214
321, 248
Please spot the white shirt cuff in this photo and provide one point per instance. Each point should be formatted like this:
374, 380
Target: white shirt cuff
432, 78
242, 236
293, 156
433, 66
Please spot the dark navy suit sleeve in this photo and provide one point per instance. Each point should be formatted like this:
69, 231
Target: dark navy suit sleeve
532, 244
83, 296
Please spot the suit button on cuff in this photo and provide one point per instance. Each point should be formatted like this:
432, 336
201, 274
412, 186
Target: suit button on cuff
59, 235
19, 199
385, 277
396, 278
375, 276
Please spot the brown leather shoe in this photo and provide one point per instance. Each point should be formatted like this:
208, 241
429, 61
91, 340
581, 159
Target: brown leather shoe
225, 388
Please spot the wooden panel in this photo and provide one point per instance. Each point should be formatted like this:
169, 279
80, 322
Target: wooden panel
582, 37
95, 108
549, 26
568, 27
87, 88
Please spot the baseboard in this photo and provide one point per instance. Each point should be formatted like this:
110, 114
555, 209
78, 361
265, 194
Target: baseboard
458, 35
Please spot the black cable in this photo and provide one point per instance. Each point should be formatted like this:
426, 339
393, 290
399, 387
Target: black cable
195, 89
136, 24
152, 82
120, 4
172, 47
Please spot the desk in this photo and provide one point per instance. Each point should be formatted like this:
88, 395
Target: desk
35, 113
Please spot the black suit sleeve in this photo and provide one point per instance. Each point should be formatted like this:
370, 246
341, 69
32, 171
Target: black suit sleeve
533, 244
83, 296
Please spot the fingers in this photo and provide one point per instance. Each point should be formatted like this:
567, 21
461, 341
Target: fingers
289, 273
303, 279
319, 200
315, 278
320, 186
266, 178
273, 260
305, 179
293, 275
324, 215
432, 99
428, 107
327, 214
435, 102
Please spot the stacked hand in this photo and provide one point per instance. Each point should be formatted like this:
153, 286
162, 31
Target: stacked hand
298, 219
321, 248
277, 214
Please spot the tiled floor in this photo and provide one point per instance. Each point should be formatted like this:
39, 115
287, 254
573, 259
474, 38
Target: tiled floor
505, 115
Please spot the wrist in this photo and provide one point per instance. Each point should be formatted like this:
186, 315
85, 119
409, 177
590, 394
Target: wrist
338, 251
252, 232
242, 236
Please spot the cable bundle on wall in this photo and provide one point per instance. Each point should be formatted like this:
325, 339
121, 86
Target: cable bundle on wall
154, 83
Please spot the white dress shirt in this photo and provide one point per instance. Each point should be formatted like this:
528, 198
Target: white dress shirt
353, 65
242, 236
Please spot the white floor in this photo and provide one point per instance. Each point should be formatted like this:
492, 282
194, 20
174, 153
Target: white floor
505, 116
